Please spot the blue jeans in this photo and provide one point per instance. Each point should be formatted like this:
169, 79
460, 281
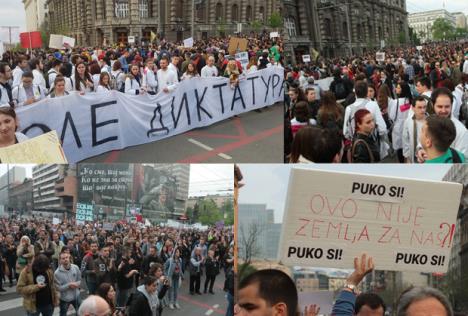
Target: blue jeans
230, 307
92, 287
122, 297
173, 290
65, 305
44, 310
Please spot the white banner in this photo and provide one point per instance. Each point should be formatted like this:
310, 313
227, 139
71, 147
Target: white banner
405, 225
93, 124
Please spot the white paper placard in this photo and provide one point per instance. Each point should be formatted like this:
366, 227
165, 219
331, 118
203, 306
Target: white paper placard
55, 221
306, 58
274, 34
405, 224
380, 56
131, 39
188, 42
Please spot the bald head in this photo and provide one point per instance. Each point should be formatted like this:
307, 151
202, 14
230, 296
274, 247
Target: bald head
94, 305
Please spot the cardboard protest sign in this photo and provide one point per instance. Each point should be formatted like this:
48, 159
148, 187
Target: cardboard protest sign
306, 58
31, 40
56, 41
404, 224
237, 44
45, 148
68, 41
55, 221
274, 34
188, 42
380, 56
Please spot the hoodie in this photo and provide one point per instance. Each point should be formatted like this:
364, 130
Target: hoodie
63, 278
153, 300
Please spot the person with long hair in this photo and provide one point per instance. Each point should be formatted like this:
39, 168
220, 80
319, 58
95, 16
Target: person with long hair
252, 66
134, 81
95, 72
365, 148
301, 117
59, 88
383, 99
330, 113
117, 76
83, 83
37, 286
145, 301
295, 95
191, 72
8, 128
174, 270
107, 292
104, 82
398, 111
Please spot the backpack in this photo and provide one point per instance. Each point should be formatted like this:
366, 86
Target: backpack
455, 156
429, 105
340, 90
114, 83
47, 78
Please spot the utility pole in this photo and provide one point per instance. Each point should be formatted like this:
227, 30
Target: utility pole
193, 19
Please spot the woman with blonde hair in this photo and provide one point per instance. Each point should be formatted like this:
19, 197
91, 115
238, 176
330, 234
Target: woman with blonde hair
25, 253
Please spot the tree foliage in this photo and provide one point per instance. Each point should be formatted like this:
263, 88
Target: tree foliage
208, 212
442, 29
275, 20
248, 247
228, 210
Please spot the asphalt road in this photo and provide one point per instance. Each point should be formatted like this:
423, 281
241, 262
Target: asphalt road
205, 304
251, 137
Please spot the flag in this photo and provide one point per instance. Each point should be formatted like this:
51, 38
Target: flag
153, 36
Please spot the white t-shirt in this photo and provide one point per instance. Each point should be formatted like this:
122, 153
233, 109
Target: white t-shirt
208, 71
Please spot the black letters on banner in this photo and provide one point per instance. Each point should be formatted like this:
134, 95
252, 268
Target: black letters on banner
184, 100
281, 87
219, 86
162, 128
267, 85
253, 87
234, 98
199, 107
95, 125
69, 118
274, 85
44, 128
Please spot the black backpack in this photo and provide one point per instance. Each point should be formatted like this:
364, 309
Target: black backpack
455, 156
340, 90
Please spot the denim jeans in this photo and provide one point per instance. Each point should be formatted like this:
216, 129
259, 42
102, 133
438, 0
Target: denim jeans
43, 310
122, 297
65, 305
173, 290
230, 307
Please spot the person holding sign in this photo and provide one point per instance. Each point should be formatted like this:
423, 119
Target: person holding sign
365, 148
8, 126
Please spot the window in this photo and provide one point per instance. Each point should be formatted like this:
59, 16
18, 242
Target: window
249, 13
290, 26
235, 13
179, 9
103, 8
345, 30
143, 8
219, 12
327, 27
121, 9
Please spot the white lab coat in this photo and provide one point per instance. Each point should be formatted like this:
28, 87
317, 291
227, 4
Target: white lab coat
372, 107
39, 79
132, 86
17, 74
398, 117
149, 80
19, 94
408, 137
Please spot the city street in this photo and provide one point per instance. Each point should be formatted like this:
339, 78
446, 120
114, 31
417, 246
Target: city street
251, 137
206, 304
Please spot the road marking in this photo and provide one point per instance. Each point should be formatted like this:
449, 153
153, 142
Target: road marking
216, 306
209, 312
208, 148
11, 304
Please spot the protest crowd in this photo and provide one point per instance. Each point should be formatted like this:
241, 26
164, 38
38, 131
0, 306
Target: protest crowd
406, 105
29, 77
134, 269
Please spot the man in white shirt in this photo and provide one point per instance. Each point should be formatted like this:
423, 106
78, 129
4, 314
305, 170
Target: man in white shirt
349, 126
210, 69
173, 65
53, 71
27, 93
167, 79
6, 97
18, 71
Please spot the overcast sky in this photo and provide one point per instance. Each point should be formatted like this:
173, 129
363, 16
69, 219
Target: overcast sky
12, 11
267, 184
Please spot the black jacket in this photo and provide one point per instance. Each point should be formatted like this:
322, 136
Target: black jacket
139, 305
361, 151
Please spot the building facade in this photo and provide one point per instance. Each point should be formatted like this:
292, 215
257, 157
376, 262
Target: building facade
181, 173
13, 177
36, 14
322, 25
55, 188
460, 20
104, 22
422, 22
21, 197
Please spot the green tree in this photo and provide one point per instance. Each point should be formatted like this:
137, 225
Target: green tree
209, 213
442, 29
275, 20
402, 37
257, 25
460, 33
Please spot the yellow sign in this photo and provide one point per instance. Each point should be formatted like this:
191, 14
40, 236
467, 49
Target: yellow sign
42, 149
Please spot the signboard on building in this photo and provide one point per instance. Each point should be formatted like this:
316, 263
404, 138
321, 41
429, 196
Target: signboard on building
84, 212
404, 224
